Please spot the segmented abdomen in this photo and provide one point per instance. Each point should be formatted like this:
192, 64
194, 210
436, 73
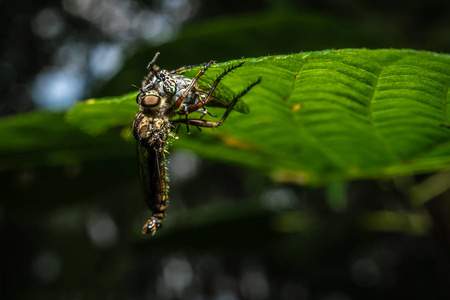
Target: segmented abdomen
151, 134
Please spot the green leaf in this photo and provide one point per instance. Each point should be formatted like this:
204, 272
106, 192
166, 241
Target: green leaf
46, 139
336, 115
97, 116
319, 116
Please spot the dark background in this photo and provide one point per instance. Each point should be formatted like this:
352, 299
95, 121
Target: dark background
73, 231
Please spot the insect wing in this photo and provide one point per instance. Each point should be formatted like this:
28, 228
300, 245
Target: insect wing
152, 177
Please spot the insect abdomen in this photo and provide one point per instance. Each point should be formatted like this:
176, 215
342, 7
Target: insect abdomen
157, 198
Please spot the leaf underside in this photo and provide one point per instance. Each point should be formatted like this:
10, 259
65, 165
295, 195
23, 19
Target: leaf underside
320, 116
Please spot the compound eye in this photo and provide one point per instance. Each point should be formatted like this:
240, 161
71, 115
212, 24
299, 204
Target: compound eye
170, 87
150, 101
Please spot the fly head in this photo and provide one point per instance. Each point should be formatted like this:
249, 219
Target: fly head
148, 99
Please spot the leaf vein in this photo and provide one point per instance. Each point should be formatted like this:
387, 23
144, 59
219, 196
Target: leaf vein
310, 138
371, 100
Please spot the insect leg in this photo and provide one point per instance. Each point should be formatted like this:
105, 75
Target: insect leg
177, 103
205, 112
199, 105
233, 103
152, 63
187, 124
212, 124
192, 66
153, 70
149, 76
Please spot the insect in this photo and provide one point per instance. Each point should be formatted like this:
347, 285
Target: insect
166, 99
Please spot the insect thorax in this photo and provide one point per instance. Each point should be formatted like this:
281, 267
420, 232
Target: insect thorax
178, 87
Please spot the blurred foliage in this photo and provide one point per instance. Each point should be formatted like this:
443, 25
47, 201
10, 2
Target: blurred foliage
270, 33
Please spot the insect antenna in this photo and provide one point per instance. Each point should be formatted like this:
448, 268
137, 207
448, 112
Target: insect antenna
135, 86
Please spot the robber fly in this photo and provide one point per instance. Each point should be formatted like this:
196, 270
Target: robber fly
165, 101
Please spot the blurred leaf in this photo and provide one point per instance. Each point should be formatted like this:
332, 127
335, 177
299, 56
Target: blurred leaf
337, 196
97, 116
44, 138
429, 188
273, 32
320, 116
392, 221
